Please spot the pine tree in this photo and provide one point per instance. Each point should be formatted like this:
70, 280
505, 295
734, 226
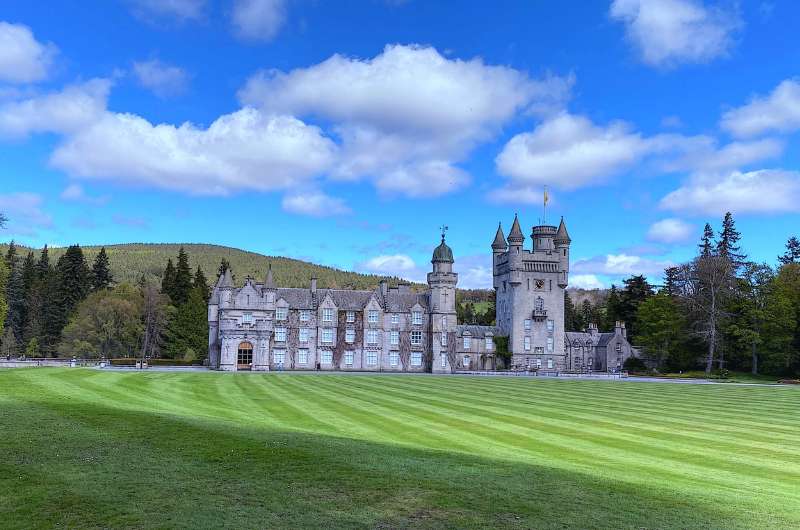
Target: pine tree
64, 289
11, 255
168, 280
707, 241
588, 313
671, 277
101, 275
15, 296
571, 320
200, 282
792, 254
43, 266
728, 243
637, 290
187, 332
613, 311
183, 279
3, 302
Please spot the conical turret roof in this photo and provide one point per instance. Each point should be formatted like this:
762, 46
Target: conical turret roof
499, 242
516, 236
227, 279
562, 236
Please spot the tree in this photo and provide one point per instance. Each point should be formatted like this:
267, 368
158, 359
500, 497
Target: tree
168, 279
200, 282
613, 311
588, 313
9, 347
183, 279
15, 297
3, 220
106, 324
187, 332
3, 302
571, 318
11, 255
781, 336
637, 289
792, 254
661, 327
750, 313
671, 279
43, 266
707, 241
728, 243
155, 316
223, 266
65, 288
101, 274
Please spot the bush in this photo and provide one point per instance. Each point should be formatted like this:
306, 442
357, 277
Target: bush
634, 364
123, 361
175, 362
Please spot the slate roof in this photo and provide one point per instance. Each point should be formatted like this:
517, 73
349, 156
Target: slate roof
599, 340
442, 253
296, 298
562, 235
499, 242
396, 302
477, 331
516, 236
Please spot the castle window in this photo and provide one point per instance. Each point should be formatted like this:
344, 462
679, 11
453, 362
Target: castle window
416, 317
280, 334
443, 336
350, 336
394, 358
619, 348
539, 304
281, 313
416, 358
327, 357
247, 318
467, 343
348, 358
372, 316
416, 338
550, 326
302, 356
305, 315
549, 363
278, 356
351, 316
527, 342
244, 355
394, 338
395, 318
527, 324
303, 335
538, 363
372, 357
327, 314
327, 336
372, 336
549, 343
466, 361
488, 343
444, 361
529, 284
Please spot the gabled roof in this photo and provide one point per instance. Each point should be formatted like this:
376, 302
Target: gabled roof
477, 331
396, 302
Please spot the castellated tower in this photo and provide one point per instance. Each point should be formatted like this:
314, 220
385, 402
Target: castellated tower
442, 282
530, 287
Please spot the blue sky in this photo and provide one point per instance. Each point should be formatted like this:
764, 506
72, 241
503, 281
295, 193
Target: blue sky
346, 133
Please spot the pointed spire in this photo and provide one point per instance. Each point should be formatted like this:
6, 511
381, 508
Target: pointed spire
515, 236
562, 236
499, 242
227, 279
270, 282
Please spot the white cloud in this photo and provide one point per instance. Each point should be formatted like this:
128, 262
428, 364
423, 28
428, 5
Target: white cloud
474, 272
761, 191
670, 231
23, 59
315, 204
162, 79
407, 114
258, 20
702, 155
25, 213
243, 150
585, 281
779, 111
570, 151
67, 111
670, 32
517, 194
619, 265
75, 192
400, 265
179, 9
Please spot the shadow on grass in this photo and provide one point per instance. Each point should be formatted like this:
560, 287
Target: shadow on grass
83, 465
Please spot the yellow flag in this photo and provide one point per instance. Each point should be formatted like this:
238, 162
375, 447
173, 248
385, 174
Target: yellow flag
546, 196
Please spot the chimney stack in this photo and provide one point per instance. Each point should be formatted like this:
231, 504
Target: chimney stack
313, 285
384, 287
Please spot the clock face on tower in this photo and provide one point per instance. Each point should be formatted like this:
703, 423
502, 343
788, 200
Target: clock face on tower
540, 284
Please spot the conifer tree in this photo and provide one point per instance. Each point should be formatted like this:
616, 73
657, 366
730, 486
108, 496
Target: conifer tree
671, 277
588, 313
15, 297
3, 302
792, 254
571, 320
728, 243
707, 241
200, 282
168, 280
11, 255
613, 308
43, 266
101, 274
74, 278
223, 266
183, 279
187, 332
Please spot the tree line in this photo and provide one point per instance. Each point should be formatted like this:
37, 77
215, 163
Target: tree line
719, 311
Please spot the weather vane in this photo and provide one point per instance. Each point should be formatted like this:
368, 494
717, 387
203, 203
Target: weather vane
444, 229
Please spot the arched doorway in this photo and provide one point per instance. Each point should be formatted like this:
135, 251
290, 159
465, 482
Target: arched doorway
244, 356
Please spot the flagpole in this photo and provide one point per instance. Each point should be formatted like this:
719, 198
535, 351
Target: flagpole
544, 206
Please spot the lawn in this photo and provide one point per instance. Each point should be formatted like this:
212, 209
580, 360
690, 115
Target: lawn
86, 448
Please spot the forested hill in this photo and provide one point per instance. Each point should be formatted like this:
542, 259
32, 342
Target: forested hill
129, 261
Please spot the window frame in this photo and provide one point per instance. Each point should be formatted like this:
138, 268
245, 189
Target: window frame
416, 333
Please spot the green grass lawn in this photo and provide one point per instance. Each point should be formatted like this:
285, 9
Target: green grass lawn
83, 448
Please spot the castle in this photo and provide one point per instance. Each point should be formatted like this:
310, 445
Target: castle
261, 326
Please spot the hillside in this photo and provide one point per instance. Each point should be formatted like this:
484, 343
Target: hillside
129, 261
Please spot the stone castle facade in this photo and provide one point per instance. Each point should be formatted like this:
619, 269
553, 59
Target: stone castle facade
261, 326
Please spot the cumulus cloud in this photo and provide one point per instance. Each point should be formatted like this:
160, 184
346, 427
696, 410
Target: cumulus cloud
315, 204
517, 194
619, 265
178, 9
258, 20
670, 230
63, 112
23, 59
779, 111
474, 272
162, 79
407, 115
75, 192
669, 32
760, 191
25, 213
585, 281
400, 265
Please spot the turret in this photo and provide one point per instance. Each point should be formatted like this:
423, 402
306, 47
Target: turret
499, 245
562, 242
542, 236
442, 282
226, 287
515, 242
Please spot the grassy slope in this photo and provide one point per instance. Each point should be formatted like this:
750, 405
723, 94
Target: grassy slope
83, 448
128, 262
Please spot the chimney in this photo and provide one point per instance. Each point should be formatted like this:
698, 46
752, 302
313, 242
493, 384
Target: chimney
619, 329
592, 328
313, 285
384, 287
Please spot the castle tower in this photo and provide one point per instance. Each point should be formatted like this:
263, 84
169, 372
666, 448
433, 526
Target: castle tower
442, 283
499, 247
562, 242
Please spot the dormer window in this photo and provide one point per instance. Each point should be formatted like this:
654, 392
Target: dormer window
327, 314
305, 315
247, 318
281, 313
351, 316
416, 317
372, 316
